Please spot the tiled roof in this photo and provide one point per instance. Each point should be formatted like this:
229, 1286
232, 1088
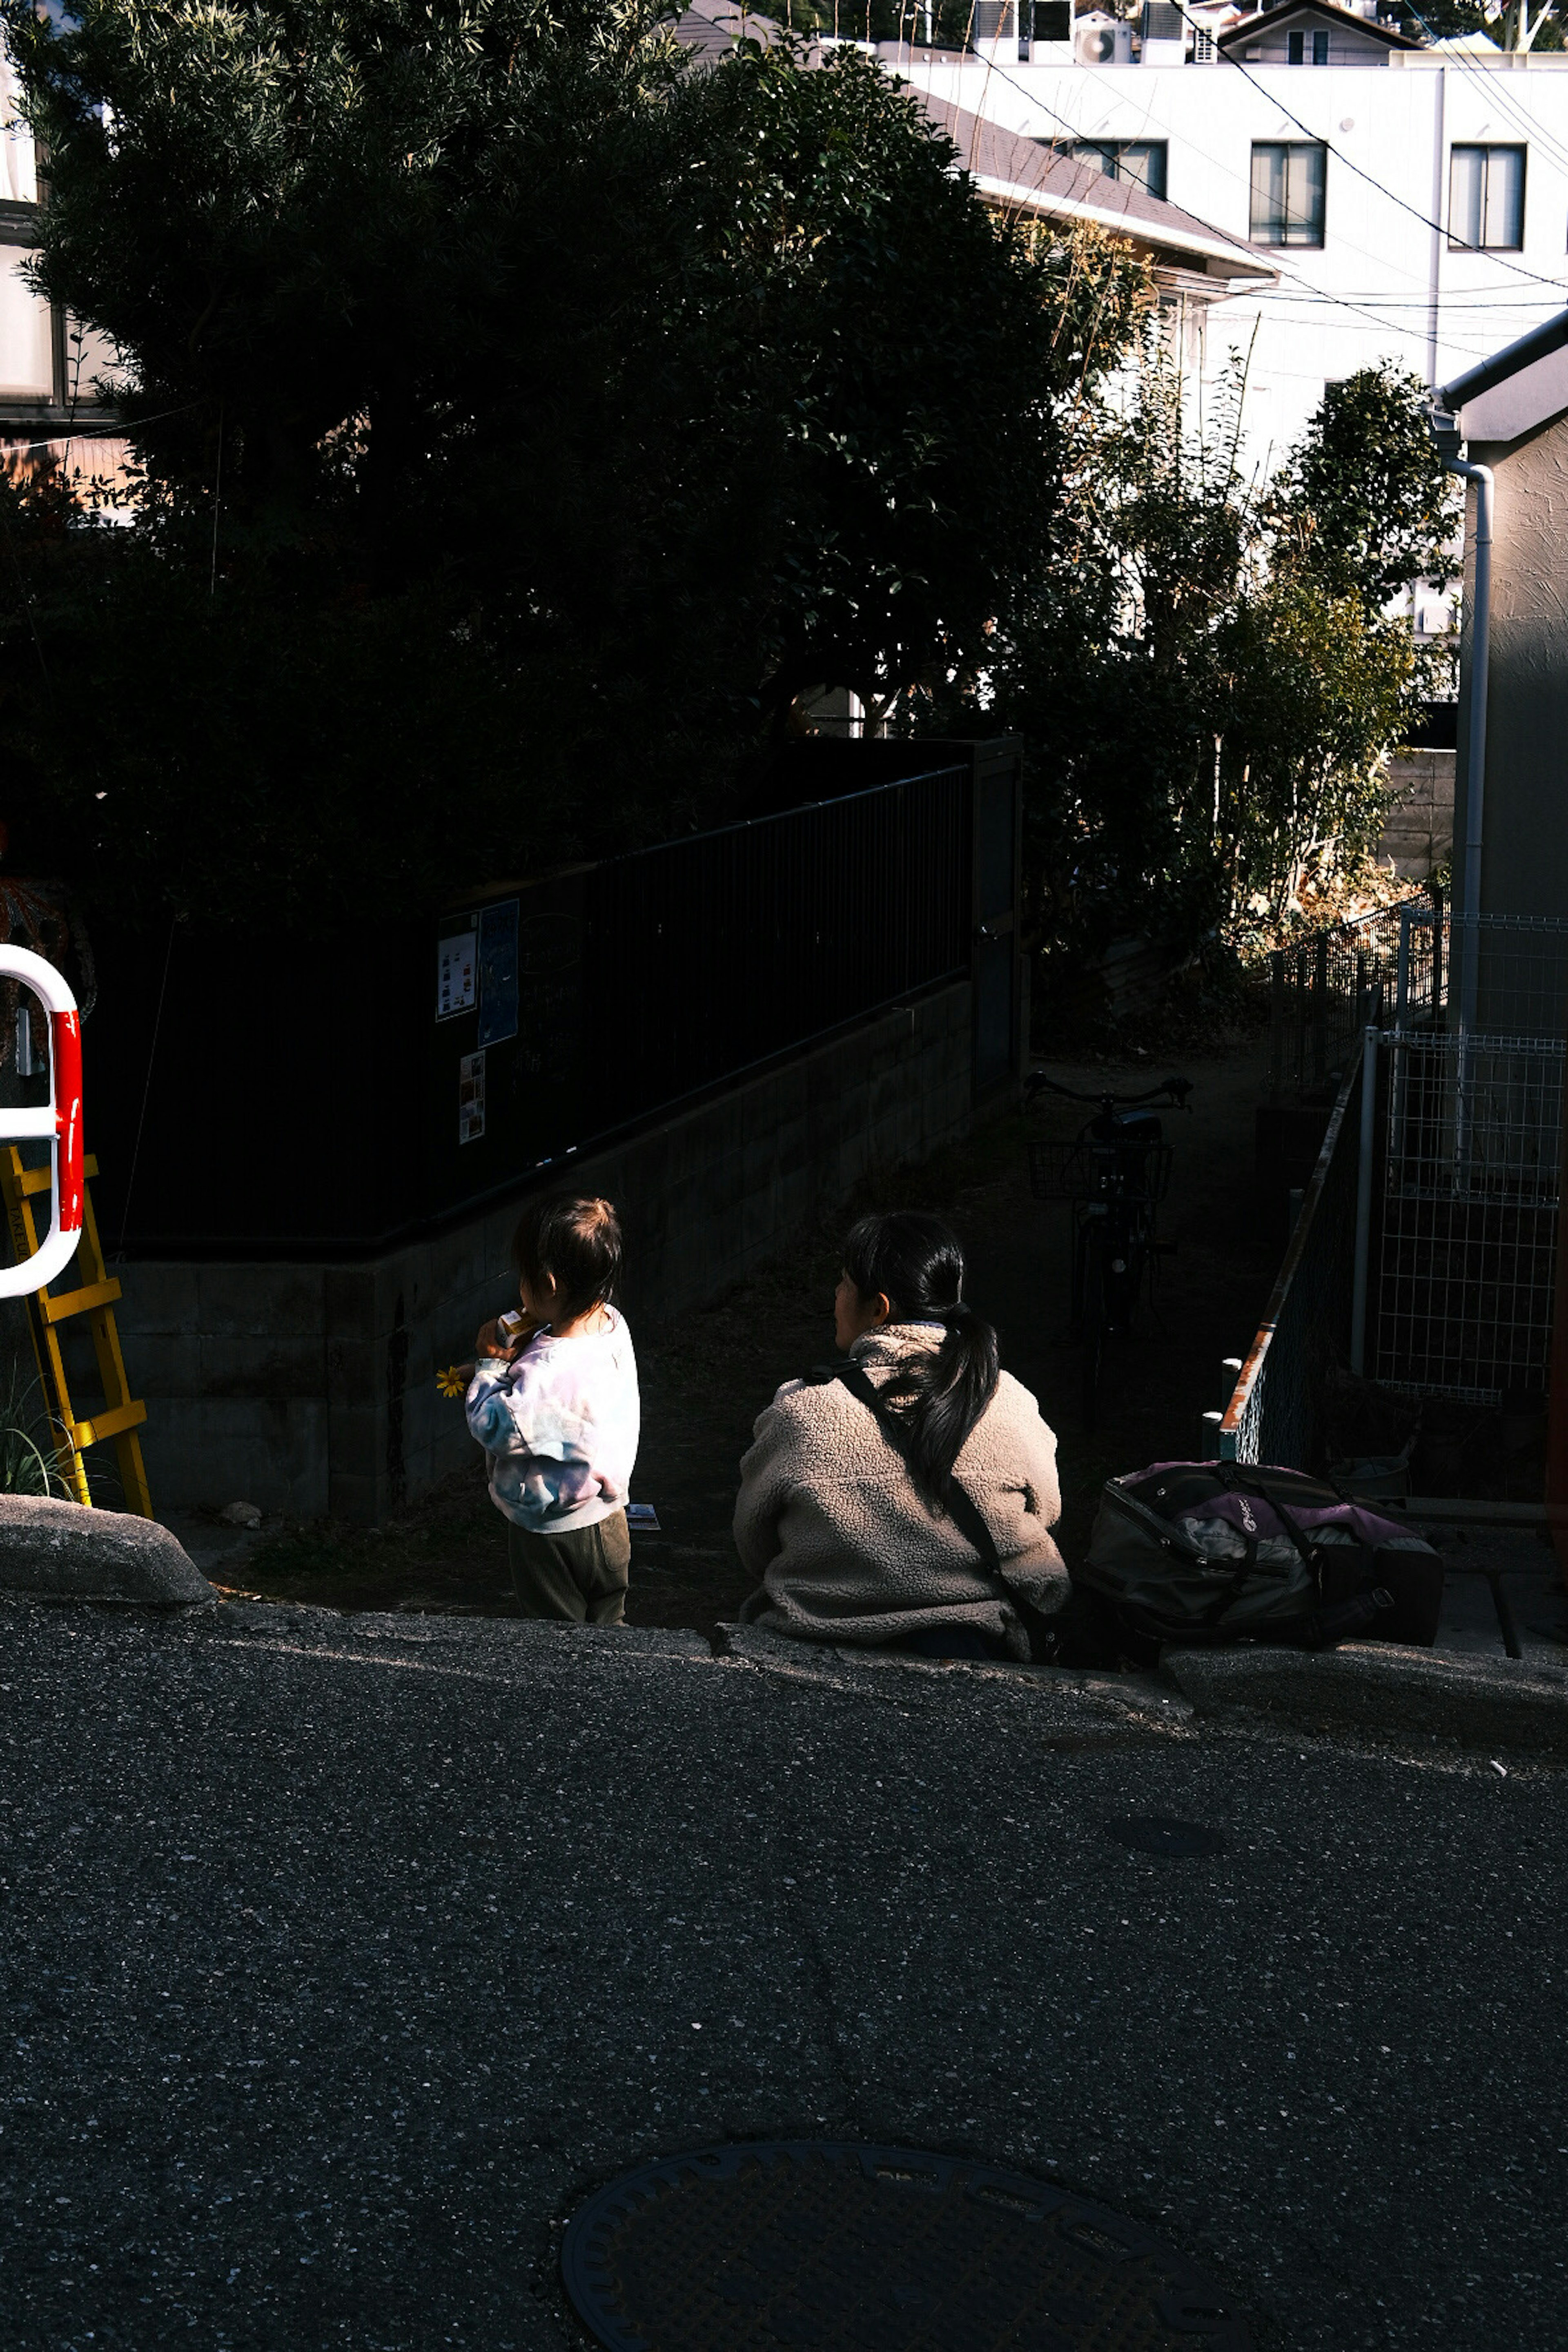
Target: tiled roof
710, 28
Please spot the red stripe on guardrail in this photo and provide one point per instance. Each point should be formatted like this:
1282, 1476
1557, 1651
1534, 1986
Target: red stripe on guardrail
66, 1029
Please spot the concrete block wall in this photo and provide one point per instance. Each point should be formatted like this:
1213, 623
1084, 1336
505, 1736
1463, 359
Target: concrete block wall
1418, 831
310, 1389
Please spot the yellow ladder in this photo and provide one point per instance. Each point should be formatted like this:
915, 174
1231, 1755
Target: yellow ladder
122, 1414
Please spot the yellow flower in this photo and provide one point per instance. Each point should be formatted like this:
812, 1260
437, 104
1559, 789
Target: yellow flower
451, 1382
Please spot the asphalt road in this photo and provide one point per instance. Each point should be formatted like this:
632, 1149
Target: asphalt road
341, 1958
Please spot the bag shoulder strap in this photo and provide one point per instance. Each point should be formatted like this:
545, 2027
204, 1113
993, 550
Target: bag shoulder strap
963, 1511
1233, 1476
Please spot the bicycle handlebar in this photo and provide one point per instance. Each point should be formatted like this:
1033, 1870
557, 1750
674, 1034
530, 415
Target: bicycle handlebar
1178, 1089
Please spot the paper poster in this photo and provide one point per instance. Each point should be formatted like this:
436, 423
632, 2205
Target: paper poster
497, 972
471, 1097
456, 974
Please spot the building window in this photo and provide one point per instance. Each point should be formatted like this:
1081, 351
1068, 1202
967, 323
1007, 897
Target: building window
1288, 178
1295, 49
1486, 199
1142, 161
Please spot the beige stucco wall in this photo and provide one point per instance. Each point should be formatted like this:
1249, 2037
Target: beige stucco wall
1524, 860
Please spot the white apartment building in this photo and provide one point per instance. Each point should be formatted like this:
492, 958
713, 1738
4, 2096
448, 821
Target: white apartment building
49, 412
1412, 200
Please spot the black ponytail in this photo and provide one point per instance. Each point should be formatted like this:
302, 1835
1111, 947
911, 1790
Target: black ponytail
915, 1262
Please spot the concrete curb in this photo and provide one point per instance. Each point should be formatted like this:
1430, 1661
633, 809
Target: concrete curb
1133, 1700
61, 1551
627, 1644
1365, 1692
1375, 1690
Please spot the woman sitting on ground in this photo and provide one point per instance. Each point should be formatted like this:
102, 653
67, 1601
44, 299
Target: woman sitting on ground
853, 1512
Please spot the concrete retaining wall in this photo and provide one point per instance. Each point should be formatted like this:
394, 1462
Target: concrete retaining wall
311, 1388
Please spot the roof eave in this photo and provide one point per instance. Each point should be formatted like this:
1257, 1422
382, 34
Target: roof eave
1232, 261
1517, 390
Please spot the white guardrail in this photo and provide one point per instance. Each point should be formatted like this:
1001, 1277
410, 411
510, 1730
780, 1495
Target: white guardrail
56, 1123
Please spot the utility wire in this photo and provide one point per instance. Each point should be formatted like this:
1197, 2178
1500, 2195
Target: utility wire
1384, 326
1227, 170
1488, 76
101, 433
1558, 284
1419, 300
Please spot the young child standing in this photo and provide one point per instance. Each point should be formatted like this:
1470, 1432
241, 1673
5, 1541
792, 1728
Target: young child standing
556, 1410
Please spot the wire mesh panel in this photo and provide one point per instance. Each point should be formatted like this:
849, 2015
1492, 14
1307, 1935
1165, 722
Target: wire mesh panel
1467, 1150
1465, 1283
1276, 1408
1463, 1292
1506, 974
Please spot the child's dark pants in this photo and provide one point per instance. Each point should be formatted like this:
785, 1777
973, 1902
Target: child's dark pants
579, 1576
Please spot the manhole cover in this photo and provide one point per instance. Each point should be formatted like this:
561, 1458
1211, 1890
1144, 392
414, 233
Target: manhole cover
1156, 1833
827, 2248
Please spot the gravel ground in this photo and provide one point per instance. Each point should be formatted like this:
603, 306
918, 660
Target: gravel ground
343, 1957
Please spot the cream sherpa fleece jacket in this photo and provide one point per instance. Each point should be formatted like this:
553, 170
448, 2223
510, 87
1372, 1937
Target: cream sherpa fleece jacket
830, 1521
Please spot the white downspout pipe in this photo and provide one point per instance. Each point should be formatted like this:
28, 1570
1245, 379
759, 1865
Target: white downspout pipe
1476, 738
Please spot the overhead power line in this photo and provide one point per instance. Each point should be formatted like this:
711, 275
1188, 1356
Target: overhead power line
1316, 293
1499, 95
1558, 284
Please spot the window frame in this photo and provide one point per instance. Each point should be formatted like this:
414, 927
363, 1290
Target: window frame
1487, 149
1082, 150
1258, 231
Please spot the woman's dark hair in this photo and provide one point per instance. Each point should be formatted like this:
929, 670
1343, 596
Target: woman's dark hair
917, 1263
577, 1241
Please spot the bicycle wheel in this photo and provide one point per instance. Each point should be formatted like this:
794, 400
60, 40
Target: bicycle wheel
1091, 1309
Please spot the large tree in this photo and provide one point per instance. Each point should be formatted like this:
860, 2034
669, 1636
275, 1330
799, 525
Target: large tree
1211, 674
526, 419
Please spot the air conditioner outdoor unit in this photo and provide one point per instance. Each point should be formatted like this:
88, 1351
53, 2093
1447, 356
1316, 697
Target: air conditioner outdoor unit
1099, 40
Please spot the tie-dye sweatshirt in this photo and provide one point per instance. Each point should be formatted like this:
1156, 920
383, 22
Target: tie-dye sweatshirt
559, 1425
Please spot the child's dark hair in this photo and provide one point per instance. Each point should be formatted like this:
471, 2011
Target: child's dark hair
576, 1240
917, 1263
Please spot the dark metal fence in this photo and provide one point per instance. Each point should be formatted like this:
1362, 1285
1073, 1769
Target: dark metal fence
1327, 987
362, 1086
703, 957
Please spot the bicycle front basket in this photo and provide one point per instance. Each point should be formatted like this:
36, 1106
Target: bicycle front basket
1086, 1170
1062, 1172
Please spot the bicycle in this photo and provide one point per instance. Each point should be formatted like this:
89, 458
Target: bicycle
1116, 1173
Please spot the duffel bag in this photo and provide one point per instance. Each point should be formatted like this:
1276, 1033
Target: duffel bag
1195, 1552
